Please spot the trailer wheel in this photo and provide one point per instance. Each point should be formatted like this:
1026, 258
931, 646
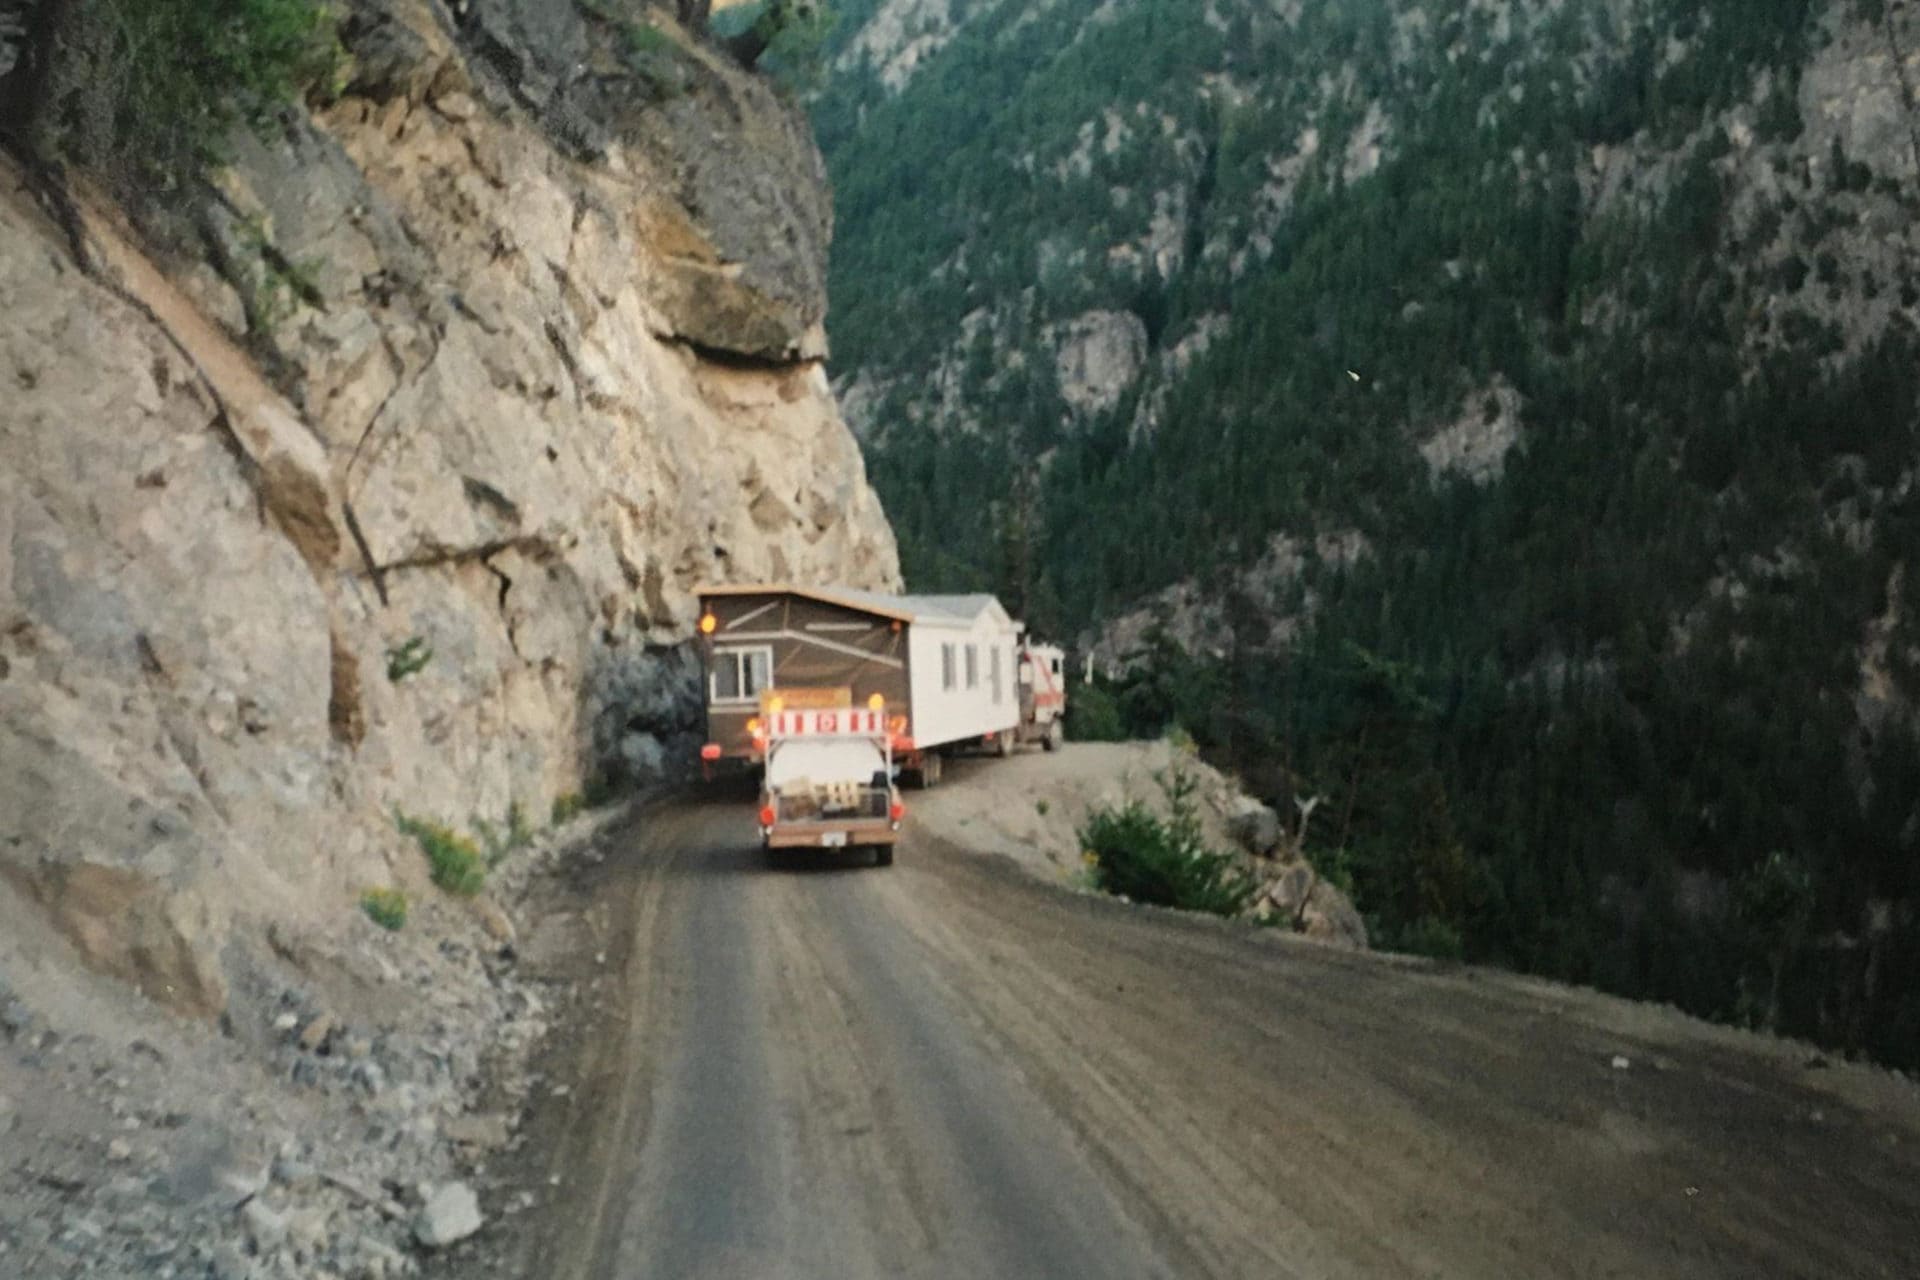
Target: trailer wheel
883, 855
1056, 734
1003, 744
930, 770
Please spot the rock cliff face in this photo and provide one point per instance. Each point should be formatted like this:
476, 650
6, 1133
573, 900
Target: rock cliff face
492, 359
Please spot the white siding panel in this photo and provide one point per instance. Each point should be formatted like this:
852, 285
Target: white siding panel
942, 716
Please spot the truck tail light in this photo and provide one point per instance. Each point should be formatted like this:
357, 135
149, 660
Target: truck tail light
766, 815
903, 744
710, 752
897, 811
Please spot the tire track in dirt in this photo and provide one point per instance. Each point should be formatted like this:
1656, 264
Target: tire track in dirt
1292, 1111
951, 1069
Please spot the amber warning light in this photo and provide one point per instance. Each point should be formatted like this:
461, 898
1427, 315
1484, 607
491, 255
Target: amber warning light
708, 624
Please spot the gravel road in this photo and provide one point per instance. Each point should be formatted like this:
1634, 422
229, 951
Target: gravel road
948, 1068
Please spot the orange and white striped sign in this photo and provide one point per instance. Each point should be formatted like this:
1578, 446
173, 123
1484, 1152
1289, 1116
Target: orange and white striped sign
839, 723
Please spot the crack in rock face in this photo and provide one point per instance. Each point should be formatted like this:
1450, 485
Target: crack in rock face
514, 408
746, 228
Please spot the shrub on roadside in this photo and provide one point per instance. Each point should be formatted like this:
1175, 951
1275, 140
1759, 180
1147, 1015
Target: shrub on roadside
1431, 937
456, 863
568, 807
1093, 715
386, 908
1164, 861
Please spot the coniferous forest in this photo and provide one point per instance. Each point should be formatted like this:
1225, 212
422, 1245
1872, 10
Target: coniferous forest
1631, 707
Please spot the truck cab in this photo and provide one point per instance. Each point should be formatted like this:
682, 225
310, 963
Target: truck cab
1042, 678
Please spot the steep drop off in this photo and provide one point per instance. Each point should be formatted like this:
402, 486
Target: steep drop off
1499, 419
485, 362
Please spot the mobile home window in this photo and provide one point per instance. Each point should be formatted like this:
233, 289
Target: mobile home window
740, 674
946, 667
973, 666
993, 671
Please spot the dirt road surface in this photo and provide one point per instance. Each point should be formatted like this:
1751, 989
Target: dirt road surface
947, 1068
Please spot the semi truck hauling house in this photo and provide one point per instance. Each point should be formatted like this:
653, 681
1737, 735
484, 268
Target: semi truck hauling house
834, 694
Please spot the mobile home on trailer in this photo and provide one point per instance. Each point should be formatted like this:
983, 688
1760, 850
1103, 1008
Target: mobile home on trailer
945, 669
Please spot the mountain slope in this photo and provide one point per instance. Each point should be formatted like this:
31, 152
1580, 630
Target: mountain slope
376, 474
1508, 410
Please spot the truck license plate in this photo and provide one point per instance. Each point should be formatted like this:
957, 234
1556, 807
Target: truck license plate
833, 840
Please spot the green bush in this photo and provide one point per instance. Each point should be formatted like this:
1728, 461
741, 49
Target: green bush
386, 908
149, 92
1431, 937
1137, 855
1093, 715
408, 659
568, 807
797, 50
792, 36
456, 862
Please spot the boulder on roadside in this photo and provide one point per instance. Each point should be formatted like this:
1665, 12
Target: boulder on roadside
1314, 908
488, 1131
1330, 917
213, 1168
310, 1229
1256, 828
451, 1214
372, 1258
1287, 893
289, 1170
266, 1227
317, 1033
228, 1262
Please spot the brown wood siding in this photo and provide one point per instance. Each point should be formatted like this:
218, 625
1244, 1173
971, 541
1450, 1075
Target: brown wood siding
816, 645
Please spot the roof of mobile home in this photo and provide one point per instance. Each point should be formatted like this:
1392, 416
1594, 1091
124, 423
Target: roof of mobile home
905, 608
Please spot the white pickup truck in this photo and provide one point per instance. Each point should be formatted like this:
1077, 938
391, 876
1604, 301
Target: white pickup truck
828, 781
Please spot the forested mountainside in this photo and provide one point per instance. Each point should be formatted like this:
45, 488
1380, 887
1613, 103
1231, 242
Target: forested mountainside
1498, 419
